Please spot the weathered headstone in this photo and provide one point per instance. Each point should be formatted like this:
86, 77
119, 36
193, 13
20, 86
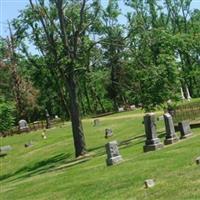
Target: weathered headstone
96, 122
113, 156
108, 132
198, 160
121, 109
132, 107
152, 142
29, 144
5, 148
170, 131
149, 183
184, 128
23, 126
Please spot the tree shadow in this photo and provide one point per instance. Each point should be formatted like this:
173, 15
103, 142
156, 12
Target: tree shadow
44, 166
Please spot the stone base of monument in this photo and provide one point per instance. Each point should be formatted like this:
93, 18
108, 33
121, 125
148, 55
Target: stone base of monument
153, 147
114, 160
171, 140
185, 136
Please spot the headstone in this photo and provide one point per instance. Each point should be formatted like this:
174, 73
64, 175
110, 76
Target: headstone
184, 128
113, 156
121, 109
5, 148
29, 144
132, 107
152, 142
170, 131
149, 183
108, 132
96, 122
23, 126
198, 160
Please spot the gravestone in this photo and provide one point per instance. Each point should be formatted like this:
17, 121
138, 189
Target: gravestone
152, 142
28, 144
132, 107
23, 126
96, 122
198, 160
108, 132
149, 183
170, 131
184, 128
113, 156
5, 148
121, 109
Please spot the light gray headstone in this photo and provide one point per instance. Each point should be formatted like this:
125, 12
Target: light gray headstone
121, 109
108, 132
152, 142
23, 125
184, 128
5, 148
149, 183
113, 156
170, 131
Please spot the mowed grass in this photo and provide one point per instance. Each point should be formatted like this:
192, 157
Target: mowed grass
49, 171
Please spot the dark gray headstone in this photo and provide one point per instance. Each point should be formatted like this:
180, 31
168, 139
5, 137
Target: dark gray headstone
152, 142
113, 156
184, 128
149, 183
170, 131
28, 144
108, 132
198, 160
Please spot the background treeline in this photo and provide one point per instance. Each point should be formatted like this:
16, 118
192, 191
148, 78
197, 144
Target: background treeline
85, 56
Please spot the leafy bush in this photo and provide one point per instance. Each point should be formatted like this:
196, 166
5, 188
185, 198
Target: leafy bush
6, 116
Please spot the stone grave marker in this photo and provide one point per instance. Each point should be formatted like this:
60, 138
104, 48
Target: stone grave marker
170, 131
108, 132
121, 109
113, 156
96, 122
23, 126
184, 128
5, 148
149, 183
152, 142
198, 160
28, 144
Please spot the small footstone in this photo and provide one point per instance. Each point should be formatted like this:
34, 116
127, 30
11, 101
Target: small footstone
198, 160
149, 183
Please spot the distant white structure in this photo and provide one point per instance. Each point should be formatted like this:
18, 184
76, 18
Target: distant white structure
23, 125
188, 94
121, 109
182, 94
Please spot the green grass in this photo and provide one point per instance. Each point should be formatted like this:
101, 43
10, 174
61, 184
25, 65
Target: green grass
49, 171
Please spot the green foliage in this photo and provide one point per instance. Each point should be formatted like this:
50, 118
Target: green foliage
6, 115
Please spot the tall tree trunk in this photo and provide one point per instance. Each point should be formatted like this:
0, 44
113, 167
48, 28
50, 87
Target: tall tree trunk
78, 135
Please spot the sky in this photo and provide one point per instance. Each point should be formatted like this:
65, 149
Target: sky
9, 9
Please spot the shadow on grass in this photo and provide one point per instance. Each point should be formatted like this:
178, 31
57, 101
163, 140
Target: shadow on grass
44, 166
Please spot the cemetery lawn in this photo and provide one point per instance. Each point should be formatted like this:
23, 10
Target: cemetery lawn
49, 171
